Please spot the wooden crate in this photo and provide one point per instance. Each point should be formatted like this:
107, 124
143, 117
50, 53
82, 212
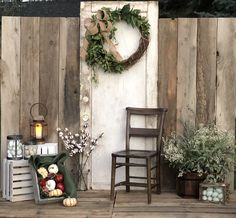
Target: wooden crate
215, 193
17, 180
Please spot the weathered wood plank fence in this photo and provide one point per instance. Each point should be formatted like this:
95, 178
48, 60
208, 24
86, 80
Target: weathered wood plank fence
197, 73
40, 62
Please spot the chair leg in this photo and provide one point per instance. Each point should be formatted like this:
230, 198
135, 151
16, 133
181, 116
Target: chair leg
158, 176
113, 175
149, 180
127, 179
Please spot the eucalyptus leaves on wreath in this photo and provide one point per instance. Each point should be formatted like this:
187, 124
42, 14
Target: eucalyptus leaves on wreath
101, 29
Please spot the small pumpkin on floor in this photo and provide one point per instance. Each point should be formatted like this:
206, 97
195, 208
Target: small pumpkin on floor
70, 202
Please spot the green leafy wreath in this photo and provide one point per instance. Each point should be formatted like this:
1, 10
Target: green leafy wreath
100, 29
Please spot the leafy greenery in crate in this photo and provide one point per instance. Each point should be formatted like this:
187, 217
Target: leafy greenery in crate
205, 150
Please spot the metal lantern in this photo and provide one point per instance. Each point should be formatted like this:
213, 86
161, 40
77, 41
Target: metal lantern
38, 128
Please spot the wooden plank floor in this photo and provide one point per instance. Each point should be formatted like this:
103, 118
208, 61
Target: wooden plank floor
169, 205
134, 204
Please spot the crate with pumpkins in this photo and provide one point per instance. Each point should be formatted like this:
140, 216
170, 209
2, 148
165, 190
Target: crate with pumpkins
52, 182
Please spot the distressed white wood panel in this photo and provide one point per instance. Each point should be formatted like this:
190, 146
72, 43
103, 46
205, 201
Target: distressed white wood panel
226, 78
85, 81
141, 5
114, 92
97, 5
152, 63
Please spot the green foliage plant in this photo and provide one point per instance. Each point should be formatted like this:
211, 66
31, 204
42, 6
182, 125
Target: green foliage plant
204, 150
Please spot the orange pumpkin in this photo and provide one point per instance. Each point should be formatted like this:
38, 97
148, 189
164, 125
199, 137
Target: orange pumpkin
70, 202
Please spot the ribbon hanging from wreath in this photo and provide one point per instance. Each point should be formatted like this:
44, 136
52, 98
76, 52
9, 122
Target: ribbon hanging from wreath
100, 29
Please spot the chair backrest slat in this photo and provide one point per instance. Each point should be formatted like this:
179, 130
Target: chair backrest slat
143, 132
157, 132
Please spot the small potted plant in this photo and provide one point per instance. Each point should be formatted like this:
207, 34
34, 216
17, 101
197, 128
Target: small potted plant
199, 154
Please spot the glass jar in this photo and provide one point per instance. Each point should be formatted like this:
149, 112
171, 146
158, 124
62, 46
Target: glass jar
30, 148
14, 147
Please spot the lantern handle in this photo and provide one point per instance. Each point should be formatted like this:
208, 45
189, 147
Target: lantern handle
40, 104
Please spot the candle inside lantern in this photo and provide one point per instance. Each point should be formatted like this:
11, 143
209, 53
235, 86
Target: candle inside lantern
38, 131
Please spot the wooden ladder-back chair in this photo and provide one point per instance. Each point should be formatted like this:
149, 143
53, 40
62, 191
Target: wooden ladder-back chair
148, 155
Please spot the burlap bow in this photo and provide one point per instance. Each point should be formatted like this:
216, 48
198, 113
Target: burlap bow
92, 28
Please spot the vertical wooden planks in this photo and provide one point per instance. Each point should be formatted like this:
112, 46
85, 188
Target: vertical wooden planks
206, 70
48, 72
226, 73
186, 72
29, 71
167, 70
167, 79
69, 84
10, 79
62, 73
72, 76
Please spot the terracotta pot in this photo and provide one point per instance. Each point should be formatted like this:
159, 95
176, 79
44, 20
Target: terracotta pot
188, 185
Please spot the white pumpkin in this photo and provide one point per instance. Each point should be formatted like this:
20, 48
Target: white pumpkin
70, 202
50, 185
53, 168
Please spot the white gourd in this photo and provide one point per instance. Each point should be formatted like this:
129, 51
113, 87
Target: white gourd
50, 184
69, 202
55, 193
53, 168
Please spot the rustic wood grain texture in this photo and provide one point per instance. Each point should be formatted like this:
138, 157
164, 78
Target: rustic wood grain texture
48, 72
10, 80
97, 204
167, 70
167, 80
186, 72
226, 77
206, 70
62, 72
29, 71
69, 83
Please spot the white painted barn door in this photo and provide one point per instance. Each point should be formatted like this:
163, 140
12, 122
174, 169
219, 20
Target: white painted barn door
136, 87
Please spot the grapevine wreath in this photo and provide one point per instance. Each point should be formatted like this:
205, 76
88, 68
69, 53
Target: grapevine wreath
100, 29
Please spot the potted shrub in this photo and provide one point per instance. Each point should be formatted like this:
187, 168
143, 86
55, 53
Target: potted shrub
199, 154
